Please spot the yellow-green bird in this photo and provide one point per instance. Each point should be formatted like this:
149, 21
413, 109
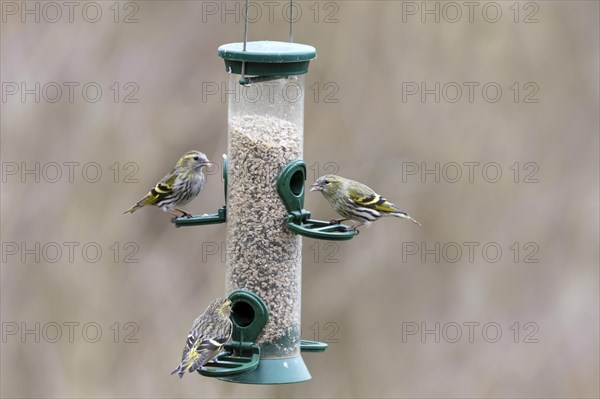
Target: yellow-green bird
355, 201
210, 331
179, 187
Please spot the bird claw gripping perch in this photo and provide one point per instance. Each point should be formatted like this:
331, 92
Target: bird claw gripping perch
354, 229
290, 186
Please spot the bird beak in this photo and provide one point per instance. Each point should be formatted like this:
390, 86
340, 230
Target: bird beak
315, 187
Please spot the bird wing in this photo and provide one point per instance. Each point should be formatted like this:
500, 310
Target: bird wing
364, 196
202, 345
209, 345
162, 189
165, 185
213, 344
209, 348
194, 338
361, 194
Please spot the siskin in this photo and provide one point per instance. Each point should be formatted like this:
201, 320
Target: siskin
210, 331
179, 187
355, 201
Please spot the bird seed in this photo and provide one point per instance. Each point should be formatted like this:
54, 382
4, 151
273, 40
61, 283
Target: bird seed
263, 255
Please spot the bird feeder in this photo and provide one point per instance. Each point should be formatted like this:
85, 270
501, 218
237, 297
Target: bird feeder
264, 210
265, 120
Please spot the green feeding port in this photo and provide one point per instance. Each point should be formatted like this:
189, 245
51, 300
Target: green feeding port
242, 354
290, 186
213, 218
241, 362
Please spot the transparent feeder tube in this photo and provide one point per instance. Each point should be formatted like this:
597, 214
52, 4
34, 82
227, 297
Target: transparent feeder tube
263, 256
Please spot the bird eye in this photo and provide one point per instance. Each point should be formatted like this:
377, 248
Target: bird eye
196, 158
326, 182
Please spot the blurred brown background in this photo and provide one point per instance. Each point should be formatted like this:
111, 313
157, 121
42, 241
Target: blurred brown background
366, 297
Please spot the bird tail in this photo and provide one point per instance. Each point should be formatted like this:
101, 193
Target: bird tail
204, 357
135, 207
186, 365
179, 370
148, 199
405, 215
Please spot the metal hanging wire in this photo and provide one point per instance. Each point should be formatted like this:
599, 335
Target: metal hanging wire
244, 80
291, 21
245, 38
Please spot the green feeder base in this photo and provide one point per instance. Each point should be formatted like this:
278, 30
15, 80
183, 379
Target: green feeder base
274, 371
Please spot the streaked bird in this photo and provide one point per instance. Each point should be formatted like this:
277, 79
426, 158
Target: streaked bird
210, 331
179, 187
355, 201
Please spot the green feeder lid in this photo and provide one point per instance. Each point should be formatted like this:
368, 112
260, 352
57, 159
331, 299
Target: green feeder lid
267, 58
